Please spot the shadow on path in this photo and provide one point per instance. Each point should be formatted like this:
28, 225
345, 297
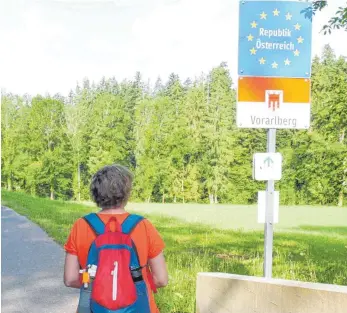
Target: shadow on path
32, 269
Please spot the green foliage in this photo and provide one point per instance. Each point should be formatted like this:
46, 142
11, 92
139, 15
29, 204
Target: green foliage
35, 148
314, 173
339, 21
179, 139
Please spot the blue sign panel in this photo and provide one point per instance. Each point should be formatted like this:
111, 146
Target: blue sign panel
275, 39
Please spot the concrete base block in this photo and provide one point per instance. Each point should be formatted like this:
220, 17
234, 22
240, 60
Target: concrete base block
227, 293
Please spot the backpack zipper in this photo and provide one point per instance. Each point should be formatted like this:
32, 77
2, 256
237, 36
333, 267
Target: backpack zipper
115, 279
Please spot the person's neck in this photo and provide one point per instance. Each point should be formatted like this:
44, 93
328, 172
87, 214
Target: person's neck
113, 210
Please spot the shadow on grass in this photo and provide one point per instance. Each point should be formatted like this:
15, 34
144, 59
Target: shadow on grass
333, 230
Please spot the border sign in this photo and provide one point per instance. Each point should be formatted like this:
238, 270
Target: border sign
275, 39
274, 68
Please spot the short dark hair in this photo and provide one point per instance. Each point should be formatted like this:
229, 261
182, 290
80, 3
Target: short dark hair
111, 186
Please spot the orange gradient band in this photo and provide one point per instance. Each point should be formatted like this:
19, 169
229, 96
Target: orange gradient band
295, 90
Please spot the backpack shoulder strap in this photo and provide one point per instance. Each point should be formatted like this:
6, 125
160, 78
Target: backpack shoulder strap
128, 226
95, 223
130, 223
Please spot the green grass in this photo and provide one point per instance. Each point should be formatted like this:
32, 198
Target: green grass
310, 243
244, 217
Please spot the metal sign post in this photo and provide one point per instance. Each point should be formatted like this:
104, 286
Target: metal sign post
274, 92
269, 212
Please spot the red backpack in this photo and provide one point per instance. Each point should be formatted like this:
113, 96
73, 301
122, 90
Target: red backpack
113, 281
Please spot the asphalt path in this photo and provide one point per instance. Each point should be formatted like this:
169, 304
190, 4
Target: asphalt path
32, 269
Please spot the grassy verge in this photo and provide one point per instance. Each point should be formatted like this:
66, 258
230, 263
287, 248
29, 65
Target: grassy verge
316, 254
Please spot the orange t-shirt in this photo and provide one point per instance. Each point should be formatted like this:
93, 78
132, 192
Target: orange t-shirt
146, 238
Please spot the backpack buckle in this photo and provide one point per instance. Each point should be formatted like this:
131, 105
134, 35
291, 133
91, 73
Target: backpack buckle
136, 274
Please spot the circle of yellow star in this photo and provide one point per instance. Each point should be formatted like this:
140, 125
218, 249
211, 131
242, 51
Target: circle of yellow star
253, 51
300, 40
287, 62
296, 52
250, 37
276, 12
263, 16
289, 16
262, 61
254, 24
274, 65
297, 26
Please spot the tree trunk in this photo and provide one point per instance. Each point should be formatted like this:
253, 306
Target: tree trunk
9, 183
163, 197
341, 198
175, 199
182, 190
215, 199
149, 199
344, 184
344, 181
211, 198
342, 136
79, 182
32, 190
52, 193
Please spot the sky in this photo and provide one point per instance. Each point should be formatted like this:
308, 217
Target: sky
50, 45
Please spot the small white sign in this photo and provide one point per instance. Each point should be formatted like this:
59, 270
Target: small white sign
267, 166
262, 206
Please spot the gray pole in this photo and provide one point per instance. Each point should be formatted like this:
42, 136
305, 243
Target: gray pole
268, 229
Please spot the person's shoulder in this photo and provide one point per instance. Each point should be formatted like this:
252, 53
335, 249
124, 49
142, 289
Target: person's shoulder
150, 227
80, 222
142, 221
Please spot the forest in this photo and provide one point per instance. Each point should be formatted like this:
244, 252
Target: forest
179, 138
